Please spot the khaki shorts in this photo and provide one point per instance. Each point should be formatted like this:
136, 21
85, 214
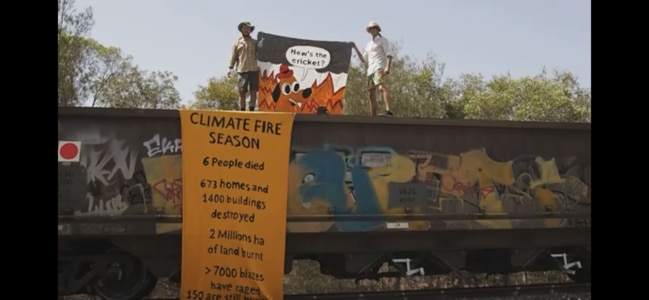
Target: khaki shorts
248, 81
375, 79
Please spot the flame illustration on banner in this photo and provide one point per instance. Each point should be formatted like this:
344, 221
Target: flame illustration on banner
300, 76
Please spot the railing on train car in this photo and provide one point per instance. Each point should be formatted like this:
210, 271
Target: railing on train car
352, 218
324, 117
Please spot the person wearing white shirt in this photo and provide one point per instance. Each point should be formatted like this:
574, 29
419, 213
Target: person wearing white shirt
377, 57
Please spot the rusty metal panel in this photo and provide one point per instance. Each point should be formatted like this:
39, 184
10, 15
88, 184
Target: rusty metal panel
130, 165
454, 168
71, 188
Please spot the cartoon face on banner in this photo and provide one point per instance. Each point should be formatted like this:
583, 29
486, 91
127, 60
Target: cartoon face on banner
298, 75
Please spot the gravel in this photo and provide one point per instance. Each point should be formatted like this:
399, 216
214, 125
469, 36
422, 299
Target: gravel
295, 283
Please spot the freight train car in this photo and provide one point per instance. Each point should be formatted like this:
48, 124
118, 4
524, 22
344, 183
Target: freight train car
429, 196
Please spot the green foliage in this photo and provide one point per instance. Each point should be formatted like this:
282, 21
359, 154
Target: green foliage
73, 77
418, 89
539, 98
98, 75
134, 88
219, 93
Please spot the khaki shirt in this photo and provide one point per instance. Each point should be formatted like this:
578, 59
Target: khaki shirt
244, 55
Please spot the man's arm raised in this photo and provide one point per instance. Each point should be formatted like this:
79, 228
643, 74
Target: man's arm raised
358, 52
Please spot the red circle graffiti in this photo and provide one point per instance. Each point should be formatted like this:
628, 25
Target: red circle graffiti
69, 151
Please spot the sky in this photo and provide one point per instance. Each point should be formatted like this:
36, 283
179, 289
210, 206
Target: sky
193, 38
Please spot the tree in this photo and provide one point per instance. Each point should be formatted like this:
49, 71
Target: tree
105, 64
539, 98
416, 89
134, 88
219, 93
73, 77
99, 75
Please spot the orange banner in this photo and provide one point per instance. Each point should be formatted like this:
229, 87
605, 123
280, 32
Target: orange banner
234, 168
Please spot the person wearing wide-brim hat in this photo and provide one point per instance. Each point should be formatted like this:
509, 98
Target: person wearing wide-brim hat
244, 56
377, 56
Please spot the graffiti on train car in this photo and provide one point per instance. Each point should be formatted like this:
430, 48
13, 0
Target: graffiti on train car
162, 146
107, 161
342, 180
134, 176
165, 180
124, 176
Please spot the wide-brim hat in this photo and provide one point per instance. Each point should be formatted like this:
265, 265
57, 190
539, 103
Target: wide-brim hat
373, 24
252, 27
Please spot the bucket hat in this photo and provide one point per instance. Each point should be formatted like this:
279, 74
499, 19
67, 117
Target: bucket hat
252, 27
373, 24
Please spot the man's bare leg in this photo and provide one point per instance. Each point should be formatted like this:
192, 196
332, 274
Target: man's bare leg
373, 104
253, 100
242, 100
385, 96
